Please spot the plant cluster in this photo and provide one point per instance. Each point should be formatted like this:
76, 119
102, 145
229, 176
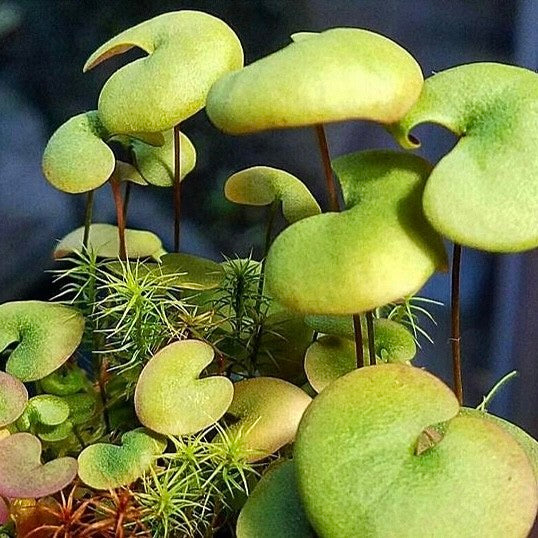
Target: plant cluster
163, 394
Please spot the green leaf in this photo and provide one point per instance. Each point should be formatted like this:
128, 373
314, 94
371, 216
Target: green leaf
339, 74
484, 193
156, 164
23, 476
106, 466
188, 51
273, 509
377, 251
45, 409
193, 272
262, 185
360, 474
104, 242
268, 412
13, 398
46, 335
528, 443
66, 381
127, 172
76, 158
170, 381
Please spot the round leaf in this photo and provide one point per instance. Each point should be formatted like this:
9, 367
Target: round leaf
269, 411
339, 74
156, 163
104, 242
46, 409
13, 398
46, 335
360, 474
65, 381
22, 474
170, 381
375, 252
273, 509
188, 51
484, 193
106, 466
76, 158
262, 185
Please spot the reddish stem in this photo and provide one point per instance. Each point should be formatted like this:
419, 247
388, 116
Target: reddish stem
455, 339
120, 216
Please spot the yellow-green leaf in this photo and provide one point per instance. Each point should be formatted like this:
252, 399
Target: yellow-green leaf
483, 193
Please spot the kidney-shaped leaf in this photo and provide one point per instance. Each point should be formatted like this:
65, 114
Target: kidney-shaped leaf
339, 74
22, 474
44, 409
170, 398
269, 411
484, 193
262, 185
357, 462
46, 335
104, 242
274, 509
13, 398
377, 251
156, 163
106, 466
76, 158
188, 51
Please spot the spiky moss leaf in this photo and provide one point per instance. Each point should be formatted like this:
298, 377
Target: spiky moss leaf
188, 51
170, 398
76, 158
274, 509
46, 335
377, 251
359, 475
392, 341
339, 74
104, 242
106, 466
263, 185
268, 412
13, 398
156, 163
484, 193
23, 476
528, 443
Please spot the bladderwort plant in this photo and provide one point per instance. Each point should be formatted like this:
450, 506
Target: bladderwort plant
164, 394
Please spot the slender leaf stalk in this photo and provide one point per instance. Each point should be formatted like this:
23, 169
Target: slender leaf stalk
120, 216
177, 187
455, 338
87, 219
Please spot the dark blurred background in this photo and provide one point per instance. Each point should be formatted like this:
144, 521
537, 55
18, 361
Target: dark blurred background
43, 46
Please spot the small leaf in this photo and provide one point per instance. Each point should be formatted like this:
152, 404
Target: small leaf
76, 158
106, 466
336, 75
64, 381
274, 509
269, 411
187, 52
104, 242
170, 381
377, 251
483, 193
45, 409
156, 164
193, 272
13, 398
262, 185
46, 335
127, 172
22, 474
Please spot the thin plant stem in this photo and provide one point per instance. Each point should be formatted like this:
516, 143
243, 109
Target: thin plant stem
359, 353
120, 216
87, 220
455, 337
334, 205
330, 183
371, 340
177, 187
126, 199
267, 243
